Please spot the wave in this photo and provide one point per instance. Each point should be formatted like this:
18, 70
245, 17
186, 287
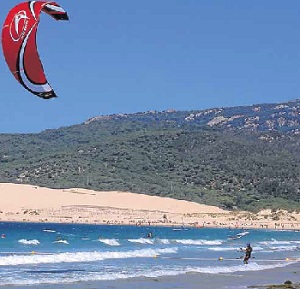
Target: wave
142, 273
164, 241
49, 231
110, 242
81, 257
242, 234
29, 242
62, 241
284, 248
178, 241
141, 241
281, 245
198, 242
275, 242
238, 249
253, 266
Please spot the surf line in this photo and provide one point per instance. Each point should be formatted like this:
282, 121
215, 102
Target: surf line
26, 253
228, 259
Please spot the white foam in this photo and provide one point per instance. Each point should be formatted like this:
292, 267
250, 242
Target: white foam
284, 248
256, 248
220, 249
62, 241
141, 241
198, 242
29, 242
275, 242
164, 241
237, 268
242, 234
110, 242
125, 274
80, 257
49, 231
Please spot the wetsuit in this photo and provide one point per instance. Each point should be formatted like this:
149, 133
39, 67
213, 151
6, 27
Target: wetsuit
248, 254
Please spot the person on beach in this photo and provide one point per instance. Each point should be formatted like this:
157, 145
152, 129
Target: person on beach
248, 251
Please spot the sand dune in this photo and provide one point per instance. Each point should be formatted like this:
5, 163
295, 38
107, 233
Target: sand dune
29, 203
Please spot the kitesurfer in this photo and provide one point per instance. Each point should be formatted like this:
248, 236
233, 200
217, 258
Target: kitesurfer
248, 251
150, 235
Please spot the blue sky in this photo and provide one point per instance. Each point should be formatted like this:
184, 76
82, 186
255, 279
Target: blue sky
131, 56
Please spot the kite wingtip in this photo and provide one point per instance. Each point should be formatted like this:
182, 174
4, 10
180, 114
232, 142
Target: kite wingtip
47, 95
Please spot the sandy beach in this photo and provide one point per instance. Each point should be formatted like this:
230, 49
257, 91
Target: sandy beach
66, 254
27, 203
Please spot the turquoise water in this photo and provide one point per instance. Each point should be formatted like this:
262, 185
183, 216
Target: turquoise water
67, 253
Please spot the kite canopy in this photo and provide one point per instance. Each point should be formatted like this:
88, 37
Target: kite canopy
19, 44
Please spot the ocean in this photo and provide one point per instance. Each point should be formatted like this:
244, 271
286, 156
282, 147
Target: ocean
60, 254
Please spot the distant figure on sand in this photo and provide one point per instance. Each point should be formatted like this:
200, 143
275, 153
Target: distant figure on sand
248, 251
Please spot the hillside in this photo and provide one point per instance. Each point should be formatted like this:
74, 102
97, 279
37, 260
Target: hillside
240, 157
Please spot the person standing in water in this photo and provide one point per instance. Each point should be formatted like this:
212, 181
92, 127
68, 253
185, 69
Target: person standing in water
150, 235
248, 251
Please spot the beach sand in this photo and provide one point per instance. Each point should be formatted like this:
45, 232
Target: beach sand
27, 203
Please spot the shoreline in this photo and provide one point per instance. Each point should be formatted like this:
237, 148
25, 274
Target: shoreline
33, 204
173, 225
237, 280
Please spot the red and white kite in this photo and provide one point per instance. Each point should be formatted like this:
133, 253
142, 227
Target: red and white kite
19, 44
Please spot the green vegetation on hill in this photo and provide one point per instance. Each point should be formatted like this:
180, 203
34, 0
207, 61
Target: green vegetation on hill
236, 158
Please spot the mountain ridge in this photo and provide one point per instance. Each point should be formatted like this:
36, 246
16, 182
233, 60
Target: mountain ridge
278, 115
244, 157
